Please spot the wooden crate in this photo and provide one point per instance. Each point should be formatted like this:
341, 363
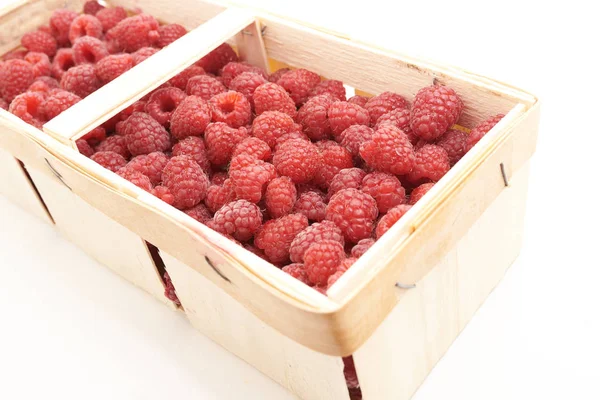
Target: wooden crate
453, 246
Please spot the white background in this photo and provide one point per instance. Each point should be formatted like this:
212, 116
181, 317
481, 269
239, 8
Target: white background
70, 329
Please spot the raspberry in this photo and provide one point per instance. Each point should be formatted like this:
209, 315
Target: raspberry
3, 104
253, 147
221, 139
246, 83
332, 87
280, 196
218, 178
39, 42
60, 25
435, 109
113, 66
272, 97
145, 135
18, 54
15, 77
232, 108
290, 136
335, 158
313, 117
170, 290
239, 218
152, 165
43, 84
389, 150
455, 143
348, 178
298, 83
89, 50
358, 100
58, 102
297, 271
399, 117
138, 179
386, 189
217, 59
312, 204
316, 233
241, 161
419, 192
115, 143
142, 54
85, 25
133, 33
186, 181
109, 160
110, 17
181, 80
431, 162
276, 236
233, 69
28, 107
354, 212
389, 219
217, 196
334, 278
190, 118
80, 80
163, 102
342, 115
250, 182
169, 33
354, 136
322, 259
298, 159
95, 136
204, 86
384, 103
195, 148
272, 125
200, 213
274, 77
481, 129
92, 7
84, 148
40, 62
63, 60
361, 247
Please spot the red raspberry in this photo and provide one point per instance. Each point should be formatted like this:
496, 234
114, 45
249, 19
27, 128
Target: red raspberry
389, 219
221, 140
186, 181
163, 102
60, 25
17, 54
163, 193
297, 271
419, 192
241, 161
84, 148
135, 32
361, 247
358, 100
354, 136
15, 77
218, 178
399, 117
219, 195
181, 80
431, 162
170, 292
354, 212
271, 125
40, 62
85, 25
335, 158
142, 54
389, 150
386, 189
334, 278
3, 104
152, 165
311, 204
39, 42
316, 233
246, 83
332, 87
250, 182
346, 264
290, 136
44, 84
109, 160
481, 129
110, 17
138, 179
89, 50
322, 259
455, 143
63, 60
280, 196
232, 108
383, 103
80, 80
169, 33
190, 118
28, 107
233, 69
298, 159
92, 7
348, 178
313, 117
57, 102
205, 87
240, 218
115, 143
113, 66
194, 147
145, 135
298, 83
342, 115
200, 213
95, 136
276, 236
217, 59
435, 109
253, 147
274, 77
272, 97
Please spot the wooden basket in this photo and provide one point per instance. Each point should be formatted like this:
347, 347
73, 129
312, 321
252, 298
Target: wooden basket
399, 308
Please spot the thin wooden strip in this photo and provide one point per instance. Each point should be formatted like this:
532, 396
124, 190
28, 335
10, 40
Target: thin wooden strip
251, 47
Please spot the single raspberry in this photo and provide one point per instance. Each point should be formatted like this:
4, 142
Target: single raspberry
298, 271
435, 109
89, 50
316, 233
246, 83
354, 136
250, 182
110, 17
138, 179
17, 54
386, 189
298, 159
354, 212
85, 25
170, 292
342, 115
280, 196
60, 25
162, 104
217, 59
145, 135
346, 264
181, 80
313, 117
481, 129
239, 218
253, 147
358, 100
84, 147
276, 236
186, 181
231, 107
63, 60
109, 160
15, 77
218, 178
40, 62
312, 204
200, 213
115, 143
142, 54
241, 161
334, 278
383, 103
335, 158
290, 136
399, 117
348, 178
361, 247
43, 84
95, 136
271, 125
332, 87
28, 107
233, 69
169, 33
389, 219
389, 150
39, 42
152, 165
455, 144
57, 102
92, 7
135, 32
221, 140
274, 77
113, 66
431, 162
272, 97
80, 80
298, 83
219, 195
194, 147
419, 192
204, 86
322, 259
190, 118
